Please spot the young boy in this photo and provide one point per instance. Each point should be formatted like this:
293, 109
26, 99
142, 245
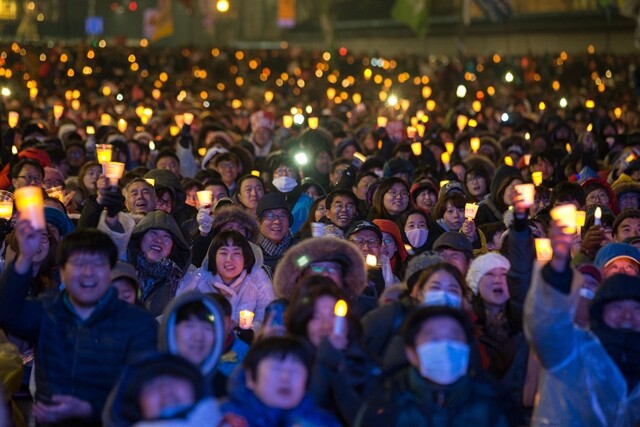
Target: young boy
272, 389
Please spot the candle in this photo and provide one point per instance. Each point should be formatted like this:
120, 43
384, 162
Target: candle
178, 118
313, 122
527, 192
449, 146
255, 173
58, 109
536, 177
56, 193
122, 125
382, 121
444, 182
527, 159
416, 147
598, 215
246, 319
446, 159
205, 197
508, 161
361, 157
462, 122
30, 205
371, 260
14, 116
470, 210
581, 217
340, 310
91, 130
105, 119
475, 144
411, 132
565, 215
6, 209
174, 130
188, 118
151, 181
544, 252
103, 153
113, 171
287, 121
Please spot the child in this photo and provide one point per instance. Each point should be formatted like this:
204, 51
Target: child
272, 388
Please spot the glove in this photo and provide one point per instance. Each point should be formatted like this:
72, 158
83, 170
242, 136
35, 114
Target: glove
592, 241
205, 220
114, 202
185, 136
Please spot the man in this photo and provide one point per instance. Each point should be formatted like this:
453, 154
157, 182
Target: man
228, 166
589, 377
168, 160
367, 237
338, 166
341, 208
140, 197
456, 249
84, 337
626, 224
274, 219
437, 388
618, 258
360, 188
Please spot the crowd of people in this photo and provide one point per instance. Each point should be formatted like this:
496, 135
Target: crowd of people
319, 239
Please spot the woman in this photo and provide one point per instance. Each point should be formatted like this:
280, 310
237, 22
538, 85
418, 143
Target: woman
316, 213
390, 199
343, 372
231, 272
191, 187
494, 206
477, 183
392, 249
415, 225
86, 185
424, 195
250, 191
161, 256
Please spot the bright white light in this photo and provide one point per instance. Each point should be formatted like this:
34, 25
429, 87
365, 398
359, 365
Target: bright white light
309, 109
6, 91
301, 159
392, 101
505, 117
119, 97
461, 91
508, 77
298, 119
222, 6
563, 103
206, 104
152, 145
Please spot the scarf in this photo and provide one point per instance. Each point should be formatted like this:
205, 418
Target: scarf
623, 346
230, 291
271, 248
152, 275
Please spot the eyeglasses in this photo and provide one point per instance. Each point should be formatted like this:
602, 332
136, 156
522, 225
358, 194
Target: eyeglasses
325, 269
226, 165
394, 194
340, 207
29, 179
361, 243
271, 216
388, 241
44, 237
283, 171
474, 178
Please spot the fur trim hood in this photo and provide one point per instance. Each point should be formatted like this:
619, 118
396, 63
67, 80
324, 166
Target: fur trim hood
235, 213
298, 257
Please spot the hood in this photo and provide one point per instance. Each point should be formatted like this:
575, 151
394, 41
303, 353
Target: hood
167, 179
166, 332
159, 220
599, 182
232, 212
297, 257
122, 409
625, 184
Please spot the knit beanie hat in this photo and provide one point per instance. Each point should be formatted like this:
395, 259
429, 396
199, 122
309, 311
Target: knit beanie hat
271, 201
417, 264
481, 266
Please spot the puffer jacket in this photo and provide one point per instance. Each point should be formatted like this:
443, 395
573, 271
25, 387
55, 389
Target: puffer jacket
407, 399
318, 249
80, 358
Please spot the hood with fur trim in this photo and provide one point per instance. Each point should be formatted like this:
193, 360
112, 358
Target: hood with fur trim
232, 212
298, 257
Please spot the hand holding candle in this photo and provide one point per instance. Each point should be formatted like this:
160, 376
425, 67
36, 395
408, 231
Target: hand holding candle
565, 216
30, 205
113, 171
597, 216
470, 211
205, 198
246, 319
371, 260
6, 205
544, 252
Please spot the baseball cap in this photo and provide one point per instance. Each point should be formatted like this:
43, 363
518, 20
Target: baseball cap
453, 240
613, 251
364, 225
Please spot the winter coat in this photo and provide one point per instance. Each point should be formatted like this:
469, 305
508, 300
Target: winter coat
243, 402
82, 358
319, 249
408, 399
159, 280
252, 291
580, 384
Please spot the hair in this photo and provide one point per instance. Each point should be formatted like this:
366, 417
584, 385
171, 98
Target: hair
402, 221
86, 240
46, 275
278, 348
223, 303
378, 211
311, 217
191, 310
476, 170
231, 238
226, 157
338, 162
490, 229
413, 323
424, 275
457, 200
15, 170
166, 153
217, 183
362, 175
567, 192
136, 179
188, 183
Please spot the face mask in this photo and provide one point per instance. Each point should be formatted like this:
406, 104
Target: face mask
443, 362
417, 237
284, 184
442, 298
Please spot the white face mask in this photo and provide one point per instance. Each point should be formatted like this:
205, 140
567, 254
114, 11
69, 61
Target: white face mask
441, 298
284, 184
443, 362
417, 237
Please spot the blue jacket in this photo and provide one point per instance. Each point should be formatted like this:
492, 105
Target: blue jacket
245, 403
80, 358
